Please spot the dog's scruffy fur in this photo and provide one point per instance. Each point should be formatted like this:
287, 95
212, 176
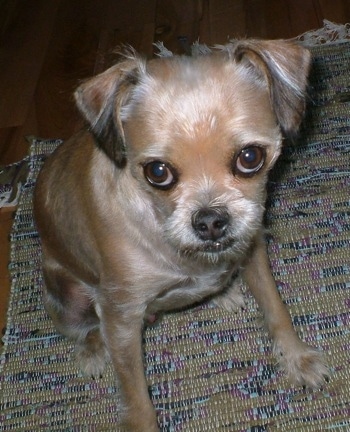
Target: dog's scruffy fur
159, 204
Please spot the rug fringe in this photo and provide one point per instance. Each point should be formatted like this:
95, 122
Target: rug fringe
330, 33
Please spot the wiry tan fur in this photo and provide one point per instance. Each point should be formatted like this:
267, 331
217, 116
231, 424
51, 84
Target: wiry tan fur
119, 250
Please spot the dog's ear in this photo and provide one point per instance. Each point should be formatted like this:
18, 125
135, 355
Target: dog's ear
101, 98
285, 66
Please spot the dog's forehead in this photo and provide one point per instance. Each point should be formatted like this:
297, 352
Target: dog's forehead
193, 97
192, 81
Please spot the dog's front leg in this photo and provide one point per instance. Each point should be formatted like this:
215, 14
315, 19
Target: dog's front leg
304, 365
121, 327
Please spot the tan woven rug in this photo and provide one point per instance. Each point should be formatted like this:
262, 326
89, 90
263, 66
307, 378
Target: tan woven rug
209, 370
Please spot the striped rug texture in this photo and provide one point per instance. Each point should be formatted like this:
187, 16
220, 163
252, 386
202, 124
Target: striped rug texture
209, 370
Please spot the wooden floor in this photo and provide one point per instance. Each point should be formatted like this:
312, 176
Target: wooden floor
48, 47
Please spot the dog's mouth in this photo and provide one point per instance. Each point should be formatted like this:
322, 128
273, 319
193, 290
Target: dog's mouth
210, 247
217, 246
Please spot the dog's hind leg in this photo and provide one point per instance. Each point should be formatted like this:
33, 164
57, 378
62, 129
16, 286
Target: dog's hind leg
71, 307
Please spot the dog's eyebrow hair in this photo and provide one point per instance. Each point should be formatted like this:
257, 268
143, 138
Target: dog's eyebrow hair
244, 137
155, 150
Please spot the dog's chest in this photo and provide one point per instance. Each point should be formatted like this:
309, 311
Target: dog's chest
183, 287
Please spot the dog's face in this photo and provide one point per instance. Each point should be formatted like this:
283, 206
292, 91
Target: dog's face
196, 137
209, 137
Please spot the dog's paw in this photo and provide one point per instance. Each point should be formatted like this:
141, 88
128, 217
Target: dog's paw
92, 357
232, 298
303, 365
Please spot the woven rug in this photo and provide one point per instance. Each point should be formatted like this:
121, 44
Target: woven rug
209, 370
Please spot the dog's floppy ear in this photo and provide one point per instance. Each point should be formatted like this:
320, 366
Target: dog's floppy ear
285, 65
101, 98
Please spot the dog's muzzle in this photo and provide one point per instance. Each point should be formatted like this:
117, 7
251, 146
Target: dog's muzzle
210, 224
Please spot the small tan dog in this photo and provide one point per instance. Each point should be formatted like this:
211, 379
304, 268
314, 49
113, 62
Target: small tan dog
159, 204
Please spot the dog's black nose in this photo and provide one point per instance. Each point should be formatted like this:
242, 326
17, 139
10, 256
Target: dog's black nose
210, 224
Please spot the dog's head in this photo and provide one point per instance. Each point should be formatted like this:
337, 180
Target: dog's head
196, 137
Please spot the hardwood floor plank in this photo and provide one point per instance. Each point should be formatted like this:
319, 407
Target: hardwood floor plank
22, 54
178, 23
16, 145
303, 16
70, 58
268, 19
6, 219
337, 11
227, 20
83, 35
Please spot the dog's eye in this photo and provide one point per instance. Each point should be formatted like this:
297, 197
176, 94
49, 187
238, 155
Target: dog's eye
159, 174
249, 160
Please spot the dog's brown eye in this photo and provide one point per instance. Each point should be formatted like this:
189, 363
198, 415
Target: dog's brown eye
249, 161
159, 174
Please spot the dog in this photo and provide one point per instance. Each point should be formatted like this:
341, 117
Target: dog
158, 204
